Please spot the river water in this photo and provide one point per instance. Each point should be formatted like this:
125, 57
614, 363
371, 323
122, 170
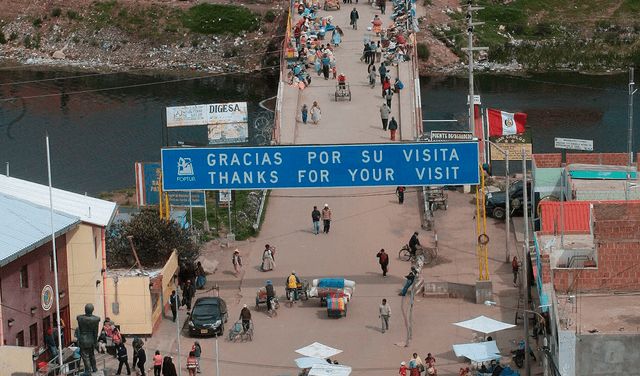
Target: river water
97, 133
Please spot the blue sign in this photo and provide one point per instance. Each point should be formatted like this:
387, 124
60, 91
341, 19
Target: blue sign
321, 166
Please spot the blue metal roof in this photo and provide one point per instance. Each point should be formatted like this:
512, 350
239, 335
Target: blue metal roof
25, 226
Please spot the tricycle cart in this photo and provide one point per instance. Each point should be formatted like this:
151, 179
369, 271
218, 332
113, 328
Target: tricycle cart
261, 298
343, 91
436, 198
324, 287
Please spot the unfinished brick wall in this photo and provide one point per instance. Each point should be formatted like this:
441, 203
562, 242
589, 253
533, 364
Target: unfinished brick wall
547, 160
617, 234
555, 159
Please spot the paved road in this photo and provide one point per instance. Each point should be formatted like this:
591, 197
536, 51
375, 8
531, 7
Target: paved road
364, 220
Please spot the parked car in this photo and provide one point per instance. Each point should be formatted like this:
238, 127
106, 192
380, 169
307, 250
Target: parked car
208, 317
495, 203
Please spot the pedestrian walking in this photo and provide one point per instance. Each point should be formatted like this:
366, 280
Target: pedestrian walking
326, 61
415, 365
268, 263
123, 359
410, 278
201, 276
383, 6
335, 37
403, 369
430, 364
236, 260
139, 358
373, 50
385, 313
367, 53
305, 112
157, 363
188, 293
173, 302
383, 71
315, 217
400, 193
168, 368
379, 52
372, 77
245, 316
316, 113
354, 17
192, 364
388, 95
197, 351
393, 126
515, 266
326, 218
385, 112
383, 259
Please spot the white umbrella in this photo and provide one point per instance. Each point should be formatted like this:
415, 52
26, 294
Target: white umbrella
484, 325
308, 362
329, 370
479, 352
318, 350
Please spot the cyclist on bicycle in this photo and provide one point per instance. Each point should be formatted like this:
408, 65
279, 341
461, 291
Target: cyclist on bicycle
292, 283
413, 243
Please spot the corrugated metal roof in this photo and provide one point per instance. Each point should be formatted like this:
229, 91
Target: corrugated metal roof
89, 209
576, 216
25, 226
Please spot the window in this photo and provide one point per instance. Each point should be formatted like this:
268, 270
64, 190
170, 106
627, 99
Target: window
24, 277
20, 338
33, 335
0, 289
51, 261
96, 244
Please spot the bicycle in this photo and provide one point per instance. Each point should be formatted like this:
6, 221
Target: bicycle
427, 254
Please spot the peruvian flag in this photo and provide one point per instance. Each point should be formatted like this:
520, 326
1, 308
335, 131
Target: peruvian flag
505, 123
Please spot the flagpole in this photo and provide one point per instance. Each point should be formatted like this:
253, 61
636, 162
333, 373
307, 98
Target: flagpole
55, 255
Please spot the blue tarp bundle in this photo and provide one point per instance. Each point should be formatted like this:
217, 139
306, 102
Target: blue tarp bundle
332, 282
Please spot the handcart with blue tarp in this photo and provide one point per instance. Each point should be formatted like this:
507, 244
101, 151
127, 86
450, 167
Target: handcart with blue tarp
324, 287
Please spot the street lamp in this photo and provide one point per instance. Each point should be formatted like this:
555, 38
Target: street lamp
506, 197
527, 349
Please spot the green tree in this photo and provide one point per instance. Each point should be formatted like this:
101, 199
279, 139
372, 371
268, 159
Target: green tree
153, 238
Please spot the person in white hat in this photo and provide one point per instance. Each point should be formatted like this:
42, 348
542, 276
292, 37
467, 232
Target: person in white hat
326, 218
245, 316
403, 369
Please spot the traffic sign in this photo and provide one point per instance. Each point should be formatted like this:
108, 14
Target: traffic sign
573, 143
320, 166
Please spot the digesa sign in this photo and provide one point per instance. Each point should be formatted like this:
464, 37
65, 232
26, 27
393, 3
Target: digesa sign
320, 166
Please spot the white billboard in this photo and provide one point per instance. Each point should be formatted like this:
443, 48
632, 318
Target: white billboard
207, 114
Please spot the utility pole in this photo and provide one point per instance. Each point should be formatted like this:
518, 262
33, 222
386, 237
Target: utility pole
630, 134
470, 50
525, 264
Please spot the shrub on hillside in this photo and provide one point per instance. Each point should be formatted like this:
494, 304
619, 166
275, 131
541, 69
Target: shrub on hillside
220, 19
270, 15
56, 12
423, 51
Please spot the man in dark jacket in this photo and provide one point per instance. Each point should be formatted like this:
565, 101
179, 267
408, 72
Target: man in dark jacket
123, 359
271, 293
414, 242
245, 316
354, 18
187, 294
139, 356
315, 217
384, 261
173, 301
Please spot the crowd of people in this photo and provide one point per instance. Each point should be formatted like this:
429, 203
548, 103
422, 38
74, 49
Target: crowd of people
416, 366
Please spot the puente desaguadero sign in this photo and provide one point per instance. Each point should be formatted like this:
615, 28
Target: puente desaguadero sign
320, 166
